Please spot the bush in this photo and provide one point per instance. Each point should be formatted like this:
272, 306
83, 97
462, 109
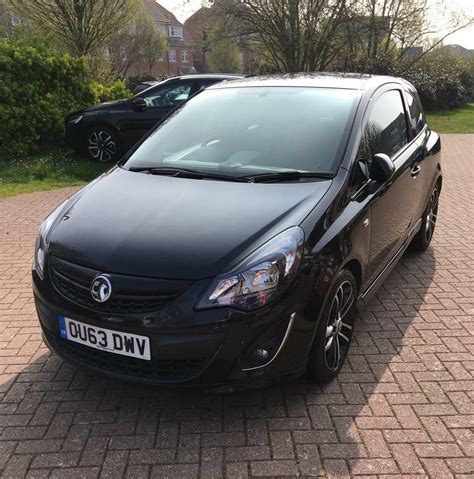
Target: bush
116, 91
442, 82
37, 90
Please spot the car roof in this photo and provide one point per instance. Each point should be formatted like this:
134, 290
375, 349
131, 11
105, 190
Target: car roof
353, 81
201, 76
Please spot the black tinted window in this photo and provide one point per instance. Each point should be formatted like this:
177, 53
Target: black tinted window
417, 117
386, 130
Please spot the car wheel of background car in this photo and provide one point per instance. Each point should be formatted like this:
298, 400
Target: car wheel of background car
334, 333
102, 144
428, 221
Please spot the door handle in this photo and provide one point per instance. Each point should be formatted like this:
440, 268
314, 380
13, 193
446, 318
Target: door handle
415, 171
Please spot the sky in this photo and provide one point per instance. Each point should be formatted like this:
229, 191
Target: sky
184, 8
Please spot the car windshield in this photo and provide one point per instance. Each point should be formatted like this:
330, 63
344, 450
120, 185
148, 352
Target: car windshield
253, 130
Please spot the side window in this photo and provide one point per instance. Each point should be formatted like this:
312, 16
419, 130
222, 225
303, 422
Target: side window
417, 117
169, 95
386, 130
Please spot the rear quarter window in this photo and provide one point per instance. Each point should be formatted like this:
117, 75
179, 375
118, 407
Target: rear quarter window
417, 116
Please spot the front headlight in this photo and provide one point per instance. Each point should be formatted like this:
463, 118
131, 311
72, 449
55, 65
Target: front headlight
261, 277
75, 119
41, 246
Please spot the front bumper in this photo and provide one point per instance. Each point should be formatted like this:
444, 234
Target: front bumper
211, 349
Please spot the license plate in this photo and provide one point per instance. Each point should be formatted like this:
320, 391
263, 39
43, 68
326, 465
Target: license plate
117, 342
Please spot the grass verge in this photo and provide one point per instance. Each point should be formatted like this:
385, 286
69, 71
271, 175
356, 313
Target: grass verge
46, 171
459, 120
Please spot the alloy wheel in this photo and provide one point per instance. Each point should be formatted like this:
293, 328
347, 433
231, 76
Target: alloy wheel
102, 146
430, 221
339, 326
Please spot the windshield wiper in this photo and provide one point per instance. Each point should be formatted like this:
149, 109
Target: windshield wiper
185, 173
290, 176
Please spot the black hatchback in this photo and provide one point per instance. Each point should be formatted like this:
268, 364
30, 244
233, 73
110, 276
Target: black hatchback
105, 132
234, 245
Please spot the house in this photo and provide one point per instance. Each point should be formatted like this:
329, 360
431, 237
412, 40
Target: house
178, 60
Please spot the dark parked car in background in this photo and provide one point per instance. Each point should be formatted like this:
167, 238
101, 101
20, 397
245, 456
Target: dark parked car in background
234, 244
105, 132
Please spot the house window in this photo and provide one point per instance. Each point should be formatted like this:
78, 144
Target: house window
184, 56
160, 59
172, 55
175, 31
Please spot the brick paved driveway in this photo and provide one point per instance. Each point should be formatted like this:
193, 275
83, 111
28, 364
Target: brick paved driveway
402, 405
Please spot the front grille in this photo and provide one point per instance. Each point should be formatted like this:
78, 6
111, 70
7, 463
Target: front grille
156, 369
130, 294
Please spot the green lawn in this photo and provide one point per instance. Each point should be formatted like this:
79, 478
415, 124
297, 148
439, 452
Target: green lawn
459, 120
47, 171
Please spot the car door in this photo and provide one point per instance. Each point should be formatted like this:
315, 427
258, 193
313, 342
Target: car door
159, 102
418, 132
395, 205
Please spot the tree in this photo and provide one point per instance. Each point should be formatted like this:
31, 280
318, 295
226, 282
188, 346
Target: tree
224, 57
387, 29
139, 43
296, 35
82, 25
155, 45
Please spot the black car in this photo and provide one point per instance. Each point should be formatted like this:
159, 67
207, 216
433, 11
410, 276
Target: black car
104, 132
234, 244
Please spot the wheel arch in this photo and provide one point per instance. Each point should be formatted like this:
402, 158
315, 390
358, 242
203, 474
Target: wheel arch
355, 267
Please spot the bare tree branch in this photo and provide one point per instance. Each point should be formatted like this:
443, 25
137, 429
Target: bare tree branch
83, 25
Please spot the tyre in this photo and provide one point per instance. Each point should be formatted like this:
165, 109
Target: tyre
428, 222
102, 144
334, 333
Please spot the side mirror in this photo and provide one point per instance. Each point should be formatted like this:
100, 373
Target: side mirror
139, 104
382, 168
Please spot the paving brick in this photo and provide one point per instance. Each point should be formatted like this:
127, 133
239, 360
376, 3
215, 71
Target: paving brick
76, 473
274, 468
309, 462
212, 460
437, 469
56, 459
237, 470
407, 459
438, 450
373, 466
282, 445
114, 464
247, 453
177, 471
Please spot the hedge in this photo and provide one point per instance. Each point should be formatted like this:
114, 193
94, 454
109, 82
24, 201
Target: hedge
443, 81
37, 91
